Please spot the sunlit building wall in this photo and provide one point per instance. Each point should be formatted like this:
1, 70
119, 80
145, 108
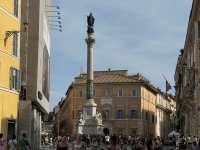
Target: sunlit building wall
127, 103
164, 112
10, 73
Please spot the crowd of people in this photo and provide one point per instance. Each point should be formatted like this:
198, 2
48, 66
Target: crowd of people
187, 143
114, 142
134, 142
108, 142
13, 144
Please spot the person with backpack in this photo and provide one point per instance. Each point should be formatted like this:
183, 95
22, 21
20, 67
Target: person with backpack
23, 143
12, 143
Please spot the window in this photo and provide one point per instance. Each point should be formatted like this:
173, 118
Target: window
133, 114
120, 114
133, 93
120, 93
105, 114
15, 43
152, 118
120, 130
81, 94
146, 116
15, 79
16, 8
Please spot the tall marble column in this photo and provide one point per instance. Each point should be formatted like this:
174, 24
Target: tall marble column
90, 121
90, 75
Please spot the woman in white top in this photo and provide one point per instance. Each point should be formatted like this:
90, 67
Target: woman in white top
78, 144
12, 144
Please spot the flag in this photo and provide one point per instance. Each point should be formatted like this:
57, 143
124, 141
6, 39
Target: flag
168, 87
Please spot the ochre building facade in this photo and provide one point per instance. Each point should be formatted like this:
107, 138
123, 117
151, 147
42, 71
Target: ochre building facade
127, 103
9, 66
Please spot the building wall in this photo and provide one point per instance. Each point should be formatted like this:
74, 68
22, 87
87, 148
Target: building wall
8, 97
107, 98
187, 77
35, 55
165, 109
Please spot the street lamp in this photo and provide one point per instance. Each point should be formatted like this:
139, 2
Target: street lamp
11, 32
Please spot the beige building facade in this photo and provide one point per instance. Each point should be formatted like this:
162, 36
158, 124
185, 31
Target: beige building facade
165, 111
127, 103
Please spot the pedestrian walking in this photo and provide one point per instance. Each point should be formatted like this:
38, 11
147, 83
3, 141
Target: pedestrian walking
12, 143
2, 142
194, 146
121, 145
107, 139
149, 144
94, 145
189, 142
63, 144
78, 144
88, 140
23, 143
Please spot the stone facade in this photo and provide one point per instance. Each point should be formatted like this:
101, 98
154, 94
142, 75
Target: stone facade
187, 78
127, 103
165, 110
34, 64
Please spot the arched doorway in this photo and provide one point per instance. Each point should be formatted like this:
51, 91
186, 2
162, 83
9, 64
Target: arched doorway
106, 131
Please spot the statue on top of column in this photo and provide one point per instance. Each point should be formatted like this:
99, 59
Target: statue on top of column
90, 21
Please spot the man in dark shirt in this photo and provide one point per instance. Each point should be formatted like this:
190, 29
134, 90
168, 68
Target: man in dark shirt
23, 143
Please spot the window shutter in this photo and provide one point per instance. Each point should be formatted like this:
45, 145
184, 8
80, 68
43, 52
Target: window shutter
11, 77
16, 8
15, 43
19, 80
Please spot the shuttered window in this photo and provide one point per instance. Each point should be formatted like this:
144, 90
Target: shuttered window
120, 114
16, 8
134, 92
120, 93
15, 79
15, 43
105, 114
133, 114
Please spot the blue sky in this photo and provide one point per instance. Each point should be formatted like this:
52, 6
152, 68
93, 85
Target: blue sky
141, 36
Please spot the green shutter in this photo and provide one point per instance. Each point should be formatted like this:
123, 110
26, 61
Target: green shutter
19, 80
11, 77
